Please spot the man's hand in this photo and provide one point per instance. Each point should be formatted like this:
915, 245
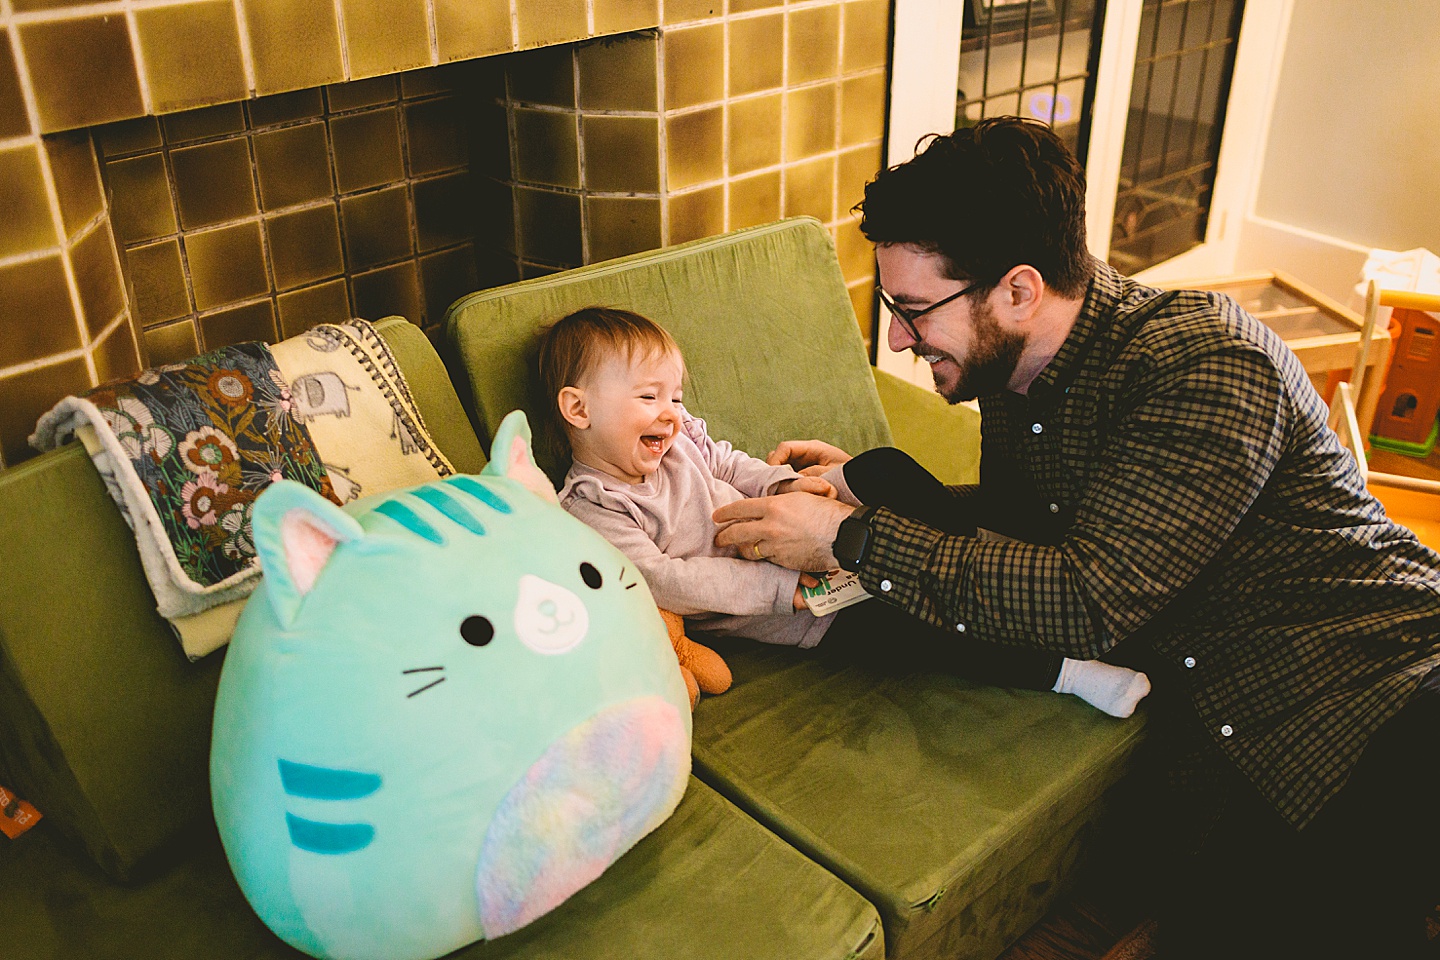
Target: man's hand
794, 530
810, 457
821, 488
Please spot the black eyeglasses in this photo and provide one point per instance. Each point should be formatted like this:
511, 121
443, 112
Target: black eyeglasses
907, 317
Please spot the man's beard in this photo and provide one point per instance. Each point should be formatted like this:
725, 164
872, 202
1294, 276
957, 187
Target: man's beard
988, 365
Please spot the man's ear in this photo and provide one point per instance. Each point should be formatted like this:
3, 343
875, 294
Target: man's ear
573, 408
1022, 289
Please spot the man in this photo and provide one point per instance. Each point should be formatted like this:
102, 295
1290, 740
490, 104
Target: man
1178, 505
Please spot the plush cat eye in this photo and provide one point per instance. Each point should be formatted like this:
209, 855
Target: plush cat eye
477, 631
591, 576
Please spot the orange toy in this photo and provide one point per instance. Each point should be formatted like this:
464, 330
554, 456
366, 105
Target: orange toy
701, 667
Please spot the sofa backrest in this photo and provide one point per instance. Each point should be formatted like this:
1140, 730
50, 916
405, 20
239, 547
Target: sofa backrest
104, 724
762, 316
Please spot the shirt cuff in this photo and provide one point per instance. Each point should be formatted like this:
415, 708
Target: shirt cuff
897, 564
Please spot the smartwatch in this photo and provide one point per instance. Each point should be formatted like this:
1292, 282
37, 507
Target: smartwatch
852, 540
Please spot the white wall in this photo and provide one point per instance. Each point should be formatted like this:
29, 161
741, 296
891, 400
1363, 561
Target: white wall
1350, 160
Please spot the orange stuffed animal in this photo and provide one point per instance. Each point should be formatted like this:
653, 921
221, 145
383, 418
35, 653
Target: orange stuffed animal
702, 668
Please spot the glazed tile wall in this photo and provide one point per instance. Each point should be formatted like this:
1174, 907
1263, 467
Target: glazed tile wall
257, 220
724, 117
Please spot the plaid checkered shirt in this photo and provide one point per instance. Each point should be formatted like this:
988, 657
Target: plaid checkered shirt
1183, 508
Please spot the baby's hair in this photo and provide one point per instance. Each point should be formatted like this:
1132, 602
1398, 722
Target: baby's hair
574, 345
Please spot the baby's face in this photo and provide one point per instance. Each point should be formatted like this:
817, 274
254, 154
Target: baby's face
634, 408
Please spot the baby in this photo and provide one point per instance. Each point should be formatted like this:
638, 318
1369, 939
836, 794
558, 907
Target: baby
647, 476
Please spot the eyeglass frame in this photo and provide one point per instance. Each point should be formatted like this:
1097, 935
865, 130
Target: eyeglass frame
907, 317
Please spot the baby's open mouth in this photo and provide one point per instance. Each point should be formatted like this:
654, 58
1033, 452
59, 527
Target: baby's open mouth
656, 444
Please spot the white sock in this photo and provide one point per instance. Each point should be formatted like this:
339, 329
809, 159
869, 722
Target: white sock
1115, 690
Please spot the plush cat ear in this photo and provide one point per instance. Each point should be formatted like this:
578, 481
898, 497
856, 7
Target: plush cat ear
510, 456
296, 530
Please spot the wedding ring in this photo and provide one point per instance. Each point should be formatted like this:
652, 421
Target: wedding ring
756, 547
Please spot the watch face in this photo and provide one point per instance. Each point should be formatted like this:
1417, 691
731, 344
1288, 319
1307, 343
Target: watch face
850, 542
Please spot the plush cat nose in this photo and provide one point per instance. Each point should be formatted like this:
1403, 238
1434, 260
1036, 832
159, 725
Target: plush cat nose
548, 618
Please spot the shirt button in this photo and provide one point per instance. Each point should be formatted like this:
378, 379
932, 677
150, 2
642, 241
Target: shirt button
1036, 428
1189, 663
1054, 508
1226, 730
959, 628
885, 585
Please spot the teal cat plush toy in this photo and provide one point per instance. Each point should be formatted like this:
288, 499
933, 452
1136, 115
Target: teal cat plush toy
444, 711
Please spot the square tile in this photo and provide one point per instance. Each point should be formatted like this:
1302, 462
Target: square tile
116, 357
618, 16
809, 121
171, 343
141, 207
204, 123
810, 189
694, 65
547, 148
375, 228
495, 209
77, 178
862, 108
813, 48
745, 6
226, 265
446, 277
304, 308
433, 81
681, 11
622, 154
551, 21
14, 118
755, 200
97, 274
285, 108
856, 254
699, 213
472, 28
549, 226
754, 133
545, 76
444, 211
692, 143
157, 282
213, 183
389, 292
490, 140
435, 135
617, 226
757, 54
862, 300
139, 135
293, 44
305, 246
107, 89
36, 317
367, 149
856, 168
192, 54
358, 94
292, 165
383, 37
867, 35
24, 397
26, 223
619, 73
253, 321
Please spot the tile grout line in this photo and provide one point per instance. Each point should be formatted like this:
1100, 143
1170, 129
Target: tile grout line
132, 25
344, 41
247, 56
432, 28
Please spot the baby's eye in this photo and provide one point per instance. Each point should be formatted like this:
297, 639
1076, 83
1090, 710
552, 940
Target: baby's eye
647, 396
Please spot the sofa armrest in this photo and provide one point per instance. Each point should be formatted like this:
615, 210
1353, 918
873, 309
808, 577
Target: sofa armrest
944, 439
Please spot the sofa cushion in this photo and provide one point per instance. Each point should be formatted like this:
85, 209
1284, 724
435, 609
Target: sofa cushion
957, 809
708, 883
106, 725
768, 332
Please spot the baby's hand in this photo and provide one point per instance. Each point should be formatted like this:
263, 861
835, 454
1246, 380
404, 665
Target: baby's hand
815, 485
805, 581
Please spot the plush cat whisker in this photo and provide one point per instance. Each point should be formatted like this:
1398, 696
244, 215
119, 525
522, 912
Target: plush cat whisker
428, 685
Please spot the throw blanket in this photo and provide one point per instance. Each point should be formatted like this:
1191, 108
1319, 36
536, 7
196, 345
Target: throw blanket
185, 449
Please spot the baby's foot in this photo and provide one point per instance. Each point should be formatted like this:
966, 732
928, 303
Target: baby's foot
1115, 690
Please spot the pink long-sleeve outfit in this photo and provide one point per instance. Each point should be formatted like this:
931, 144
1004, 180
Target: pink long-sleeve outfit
663, 525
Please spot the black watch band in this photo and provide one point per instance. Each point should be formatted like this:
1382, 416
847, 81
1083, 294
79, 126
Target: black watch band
852, 540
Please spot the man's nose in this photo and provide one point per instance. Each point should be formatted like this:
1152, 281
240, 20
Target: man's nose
898, 338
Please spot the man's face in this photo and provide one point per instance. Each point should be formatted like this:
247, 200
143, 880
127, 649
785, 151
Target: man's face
969, 352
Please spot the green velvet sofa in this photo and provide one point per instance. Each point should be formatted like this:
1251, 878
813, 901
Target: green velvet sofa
838, 809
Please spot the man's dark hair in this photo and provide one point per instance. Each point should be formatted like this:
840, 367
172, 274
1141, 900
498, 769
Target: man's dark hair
988, 198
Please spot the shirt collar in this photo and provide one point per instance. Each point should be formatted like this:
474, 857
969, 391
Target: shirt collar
1107, 289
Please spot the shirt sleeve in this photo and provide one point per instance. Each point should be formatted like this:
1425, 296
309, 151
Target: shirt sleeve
751, 476
1183, 464
696, 585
